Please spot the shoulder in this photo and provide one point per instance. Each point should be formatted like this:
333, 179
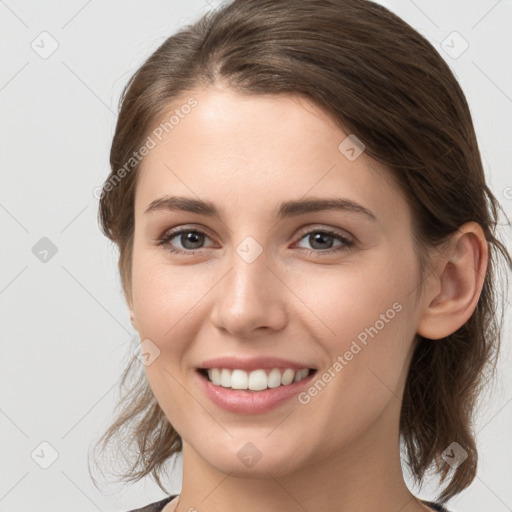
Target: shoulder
157, 506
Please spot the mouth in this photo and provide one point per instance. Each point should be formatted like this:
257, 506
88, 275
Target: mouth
254, 381
256, 392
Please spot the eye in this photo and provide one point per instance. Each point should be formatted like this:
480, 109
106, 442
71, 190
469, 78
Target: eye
322, 239
191, 240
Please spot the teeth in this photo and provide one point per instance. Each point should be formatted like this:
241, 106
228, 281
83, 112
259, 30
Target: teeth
257, 380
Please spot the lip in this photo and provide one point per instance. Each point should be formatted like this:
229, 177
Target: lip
253, 363
251, 402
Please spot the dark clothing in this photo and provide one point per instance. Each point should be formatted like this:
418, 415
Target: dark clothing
159, 505
155, 507
435, 506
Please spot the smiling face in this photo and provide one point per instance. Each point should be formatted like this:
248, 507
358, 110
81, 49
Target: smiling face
259, 283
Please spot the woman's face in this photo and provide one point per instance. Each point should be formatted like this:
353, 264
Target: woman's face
261, 283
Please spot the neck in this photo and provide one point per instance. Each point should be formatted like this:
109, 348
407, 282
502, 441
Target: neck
365, 474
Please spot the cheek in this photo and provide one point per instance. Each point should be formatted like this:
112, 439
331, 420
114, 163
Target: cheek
164, 298
169, 301
160, 295
346, 299
363, 313
365, 331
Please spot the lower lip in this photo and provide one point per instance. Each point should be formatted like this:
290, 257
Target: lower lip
251, 402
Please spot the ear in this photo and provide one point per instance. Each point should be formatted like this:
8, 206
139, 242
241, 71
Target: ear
454, 289
132, 316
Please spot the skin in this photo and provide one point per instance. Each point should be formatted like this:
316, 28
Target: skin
247, 154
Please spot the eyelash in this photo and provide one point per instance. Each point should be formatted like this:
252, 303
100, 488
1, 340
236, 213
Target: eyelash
347, 243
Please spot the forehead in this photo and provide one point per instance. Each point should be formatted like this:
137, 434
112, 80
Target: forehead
256, 151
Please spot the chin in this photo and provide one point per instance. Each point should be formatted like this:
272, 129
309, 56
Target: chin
254, 459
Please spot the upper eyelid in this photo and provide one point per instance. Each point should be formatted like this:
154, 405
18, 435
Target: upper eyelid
334, 231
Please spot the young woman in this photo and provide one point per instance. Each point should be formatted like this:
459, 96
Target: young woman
308, 252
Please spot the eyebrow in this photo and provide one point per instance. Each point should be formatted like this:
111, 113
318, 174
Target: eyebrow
286, 209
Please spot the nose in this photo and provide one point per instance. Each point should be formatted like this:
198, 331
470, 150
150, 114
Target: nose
250, 299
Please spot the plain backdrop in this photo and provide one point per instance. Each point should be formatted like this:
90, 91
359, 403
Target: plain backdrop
65, 329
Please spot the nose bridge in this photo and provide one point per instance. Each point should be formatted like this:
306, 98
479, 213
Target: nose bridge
250, 274
250, 295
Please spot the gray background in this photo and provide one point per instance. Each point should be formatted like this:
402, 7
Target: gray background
65, 329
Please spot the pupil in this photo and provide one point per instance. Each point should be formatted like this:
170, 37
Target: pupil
192, 237
318, 237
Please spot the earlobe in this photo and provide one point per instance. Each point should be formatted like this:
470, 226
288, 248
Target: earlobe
457, 284
132, 318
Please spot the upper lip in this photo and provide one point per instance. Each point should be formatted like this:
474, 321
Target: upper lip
253, 363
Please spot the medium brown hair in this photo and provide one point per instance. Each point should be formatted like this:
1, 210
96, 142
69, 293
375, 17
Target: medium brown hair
382, 81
